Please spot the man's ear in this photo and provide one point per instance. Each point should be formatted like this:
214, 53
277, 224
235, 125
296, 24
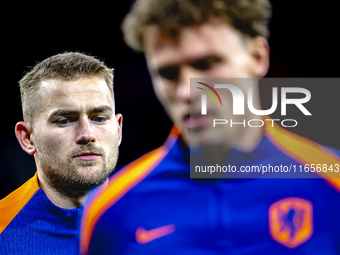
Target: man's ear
119, 119
23, 131
259, 50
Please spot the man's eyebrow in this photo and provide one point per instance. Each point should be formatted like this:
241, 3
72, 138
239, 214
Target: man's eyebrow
189, 61
103, 108
66, 112
63, 112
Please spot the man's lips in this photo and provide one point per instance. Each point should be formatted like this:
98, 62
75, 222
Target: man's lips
87, 156
196, 120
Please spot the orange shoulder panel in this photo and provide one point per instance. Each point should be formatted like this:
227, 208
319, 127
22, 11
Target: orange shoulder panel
119, 185
11, 205
305, 151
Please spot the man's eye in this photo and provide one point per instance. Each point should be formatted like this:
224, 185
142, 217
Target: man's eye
169, 73
206, 63
99, 119
62, 121
65, 121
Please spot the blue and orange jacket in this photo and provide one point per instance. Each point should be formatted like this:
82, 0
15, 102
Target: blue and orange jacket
152, 206
31, 224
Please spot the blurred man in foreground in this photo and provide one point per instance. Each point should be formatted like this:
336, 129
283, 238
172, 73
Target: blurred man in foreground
71, 128
153, 207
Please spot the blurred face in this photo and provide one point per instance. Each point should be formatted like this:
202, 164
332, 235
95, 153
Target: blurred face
212, 50
76, 133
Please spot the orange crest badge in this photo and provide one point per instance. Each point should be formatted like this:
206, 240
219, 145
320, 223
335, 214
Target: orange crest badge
291, 221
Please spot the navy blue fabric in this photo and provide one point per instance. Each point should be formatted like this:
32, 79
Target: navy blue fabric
216, 216
42, 228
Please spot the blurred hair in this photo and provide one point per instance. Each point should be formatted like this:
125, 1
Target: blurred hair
251, 17
64, 66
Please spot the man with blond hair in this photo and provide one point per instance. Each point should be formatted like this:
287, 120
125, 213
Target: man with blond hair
152, 206
71, 128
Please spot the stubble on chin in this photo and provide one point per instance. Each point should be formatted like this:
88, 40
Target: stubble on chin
71, 177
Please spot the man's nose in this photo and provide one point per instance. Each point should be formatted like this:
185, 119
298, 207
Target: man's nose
183, 88
85, 133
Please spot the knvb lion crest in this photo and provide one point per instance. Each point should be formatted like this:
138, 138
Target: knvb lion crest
291, 221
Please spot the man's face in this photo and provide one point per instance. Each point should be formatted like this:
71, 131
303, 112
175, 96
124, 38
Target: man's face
212, 50
76, 133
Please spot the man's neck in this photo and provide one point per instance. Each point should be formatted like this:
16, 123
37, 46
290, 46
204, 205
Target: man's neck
249, 139
245, 141
59, 199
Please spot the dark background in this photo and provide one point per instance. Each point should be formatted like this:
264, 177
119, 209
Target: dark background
303, 44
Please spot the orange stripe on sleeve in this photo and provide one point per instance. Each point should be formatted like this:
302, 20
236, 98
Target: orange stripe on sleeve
11, 205
305, 151
119, 185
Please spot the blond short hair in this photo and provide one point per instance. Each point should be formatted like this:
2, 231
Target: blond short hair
251, 17
64, 66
